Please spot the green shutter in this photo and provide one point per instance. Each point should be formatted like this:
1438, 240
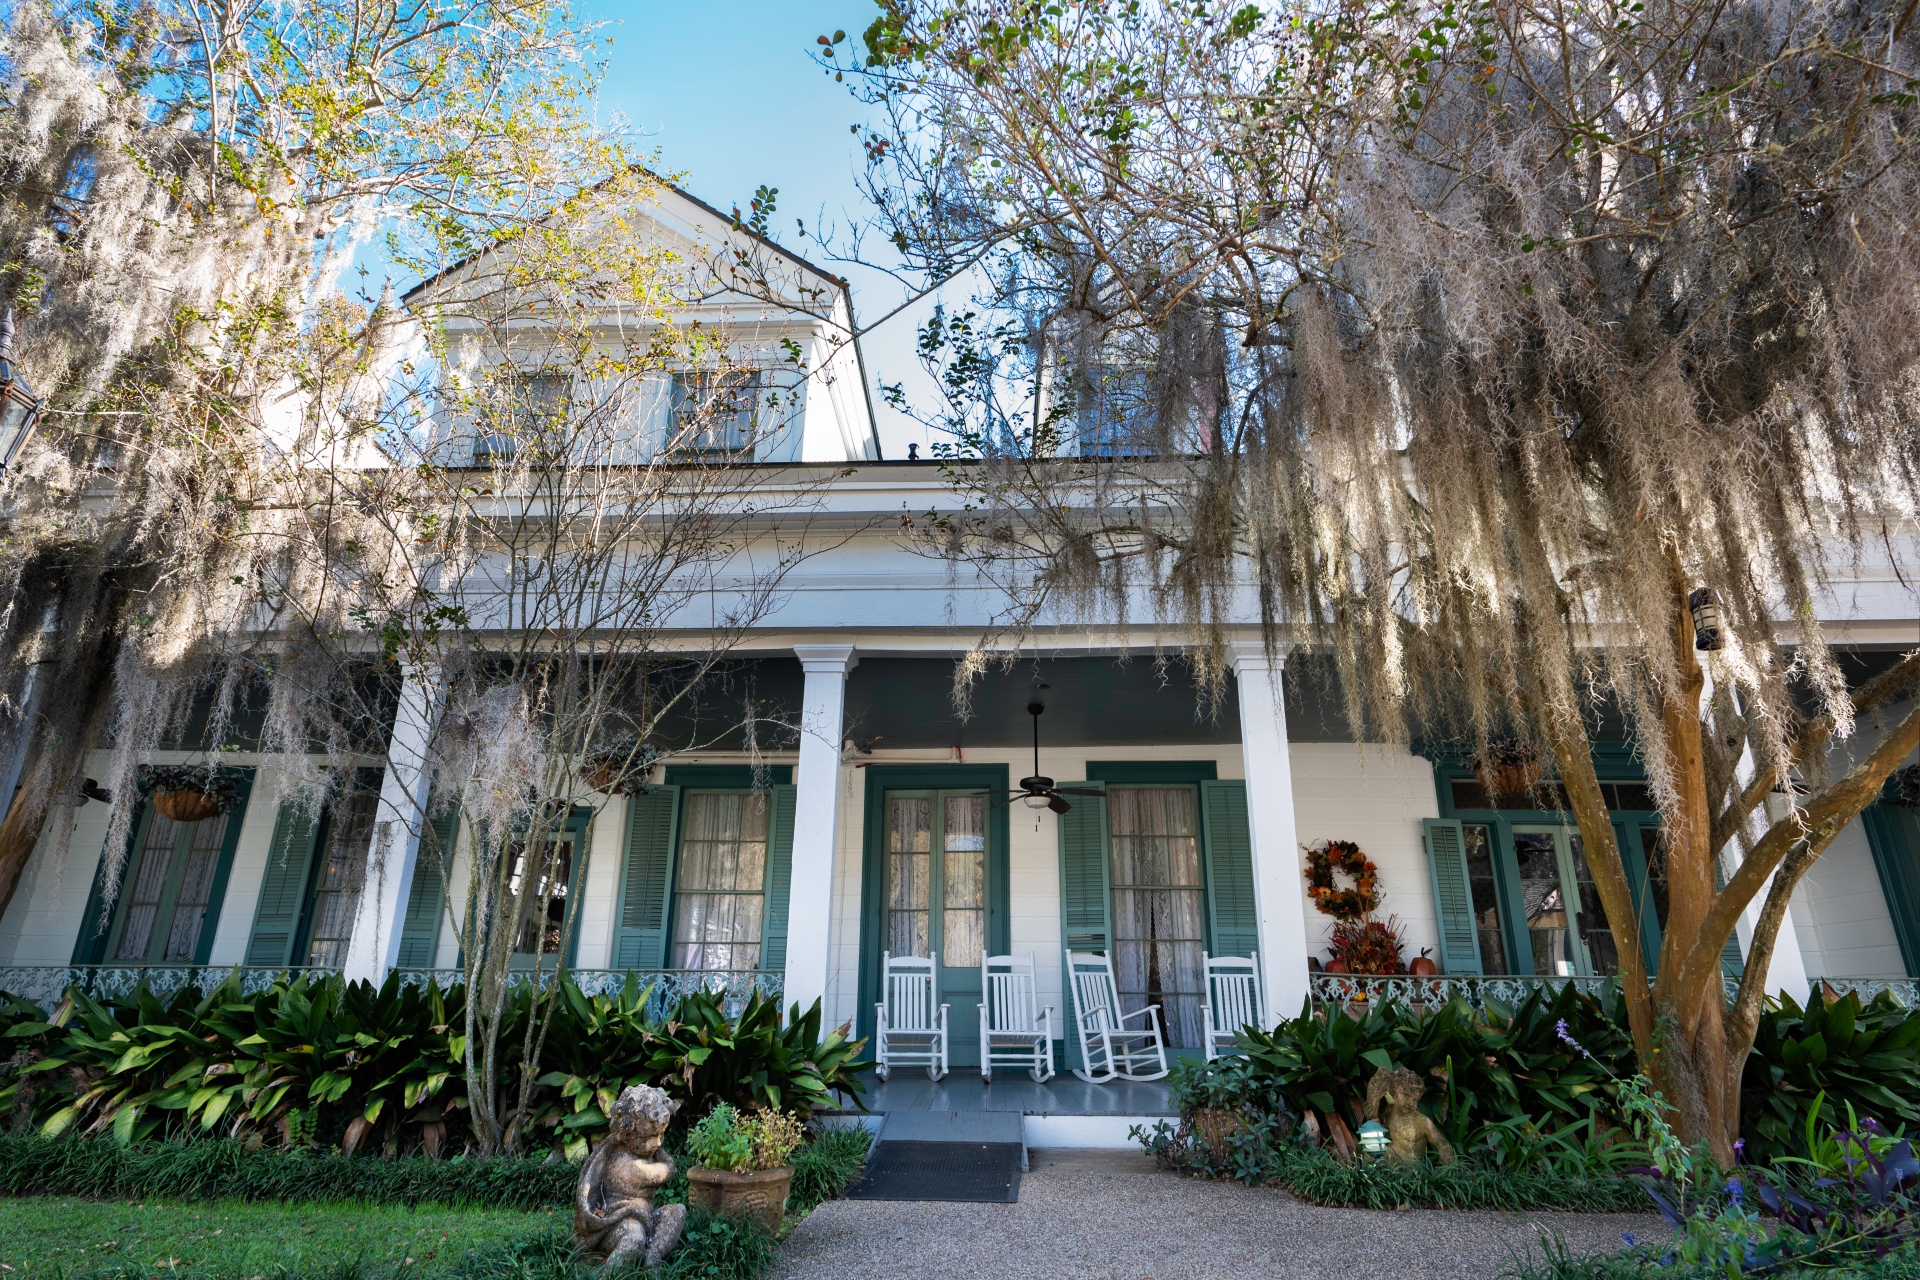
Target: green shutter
1452, 896
1234, 923
1893, 836
653, 819
283, 889
420, 933
773, 934
1083, 872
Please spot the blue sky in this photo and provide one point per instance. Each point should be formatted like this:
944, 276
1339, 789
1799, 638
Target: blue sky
728, 95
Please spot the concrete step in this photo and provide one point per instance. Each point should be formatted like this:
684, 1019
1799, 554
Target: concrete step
953, 1126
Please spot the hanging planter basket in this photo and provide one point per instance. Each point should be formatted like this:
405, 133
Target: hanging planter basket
1509, 768
187, 793
621, 770
185, 806
1903, 788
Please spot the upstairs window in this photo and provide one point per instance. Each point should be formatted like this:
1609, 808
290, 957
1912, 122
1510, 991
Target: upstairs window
525, 408
1113, 412
715, 412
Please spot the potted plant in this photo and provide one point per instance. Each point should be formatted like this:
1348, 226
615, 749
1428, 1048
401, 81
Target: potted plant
1508, 767
189, 792
621, 768
741, 1163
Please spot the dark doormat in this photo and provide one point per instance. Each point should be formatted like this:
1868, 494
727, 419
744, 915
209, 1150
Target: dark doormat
977, 1172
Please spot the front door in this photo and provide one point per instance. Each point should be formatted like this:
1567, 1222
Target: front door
1566, 926
936, 896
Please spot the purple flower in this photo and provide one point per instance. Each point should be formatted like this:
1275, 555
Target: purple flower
1560, 1029
1736, 1192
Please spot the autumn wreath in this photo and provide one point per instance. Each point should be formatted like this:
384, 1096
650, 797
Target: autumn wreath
1356, 903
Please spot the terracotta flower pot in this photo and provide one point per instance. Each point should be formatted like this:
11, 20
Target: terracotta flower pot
1336, 965
761, 1196
185, 806
1423, 967
1214, 1128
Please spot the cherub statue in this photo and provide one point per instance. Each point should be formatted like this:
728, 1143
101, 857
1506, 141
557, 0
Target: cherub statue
613, 1211
1394, 1096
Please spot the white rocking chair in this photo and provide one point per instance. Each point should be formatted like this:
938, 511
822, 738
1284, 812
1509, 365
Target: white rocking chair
1234, 999
911, 1029
1014, 1031
1109, 1049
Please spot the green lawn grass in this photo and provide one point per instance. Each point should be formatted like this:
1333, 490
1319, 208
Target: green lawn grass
63, 1236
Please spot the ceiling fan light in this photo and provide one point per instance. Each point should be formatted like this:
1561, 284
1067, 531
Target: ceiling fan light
1037, 800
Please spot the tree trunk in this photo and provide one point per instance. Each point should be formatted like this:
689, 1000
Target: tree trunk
1690, 1043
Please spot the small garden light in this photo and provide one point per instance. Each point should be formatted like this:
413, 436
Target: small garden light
1373, 1138
1706, 620
19, 406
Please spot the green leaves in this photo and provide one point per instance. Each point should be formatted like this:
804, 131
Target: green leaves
296, 1063
1863, 1057
1509, 1063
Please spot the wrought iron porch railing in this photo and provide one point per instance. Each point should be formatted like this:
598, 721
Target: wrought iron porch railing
668, 986
1905, 991
1428, 994
46, 985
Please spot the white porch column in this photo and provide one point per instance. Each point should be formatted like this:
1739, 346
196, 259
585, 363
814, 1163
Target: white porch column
1787, 966
816, 821
398, 822
1278, 893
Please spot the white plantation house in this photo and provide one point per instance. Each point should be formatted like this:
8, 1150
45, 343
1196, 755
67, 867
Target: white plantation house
885, 831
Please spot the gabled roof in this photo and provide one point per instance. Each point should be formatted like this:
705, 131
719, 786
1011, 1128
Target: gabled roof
837, 281
673, 192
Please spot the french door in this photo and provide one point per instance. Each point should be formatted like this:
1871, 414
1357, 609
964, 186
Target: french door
936, 896
1566, 925
166, 890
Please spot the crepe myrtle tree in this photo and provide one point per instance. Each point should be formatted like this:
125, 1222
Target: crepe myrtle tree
1475, 341
258, 491
185, 183
580, 542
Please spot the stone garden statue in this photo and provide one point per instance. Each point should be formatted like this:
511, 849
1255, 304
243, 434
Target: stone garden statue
1394, 1096
613, 1211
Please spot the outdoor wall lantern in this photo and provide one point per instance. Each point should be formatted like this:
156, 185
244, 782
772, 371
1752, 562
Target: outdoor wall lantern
19, 406
1706, 620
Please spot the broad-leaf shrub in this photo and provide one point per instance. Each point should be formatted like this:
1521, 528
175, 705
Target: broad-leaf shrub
1484, 1069
1863, 1057
321, 1062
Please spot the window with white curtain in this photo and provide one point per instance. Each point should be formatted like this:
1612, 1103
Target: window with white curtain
719, 899
164, 896
342, 874
1159, 929
954, 880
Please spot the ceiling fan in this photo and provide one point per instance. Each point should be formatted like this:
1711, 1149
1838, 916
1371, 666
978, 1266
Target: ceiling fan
1038, 791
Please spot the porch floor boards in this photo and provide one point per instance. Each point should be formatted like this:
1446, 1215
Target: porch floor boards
1064, 1095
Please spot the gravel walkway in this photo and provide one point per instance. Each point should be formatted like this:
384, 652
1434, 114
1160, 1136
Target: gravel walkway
1110, 1215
